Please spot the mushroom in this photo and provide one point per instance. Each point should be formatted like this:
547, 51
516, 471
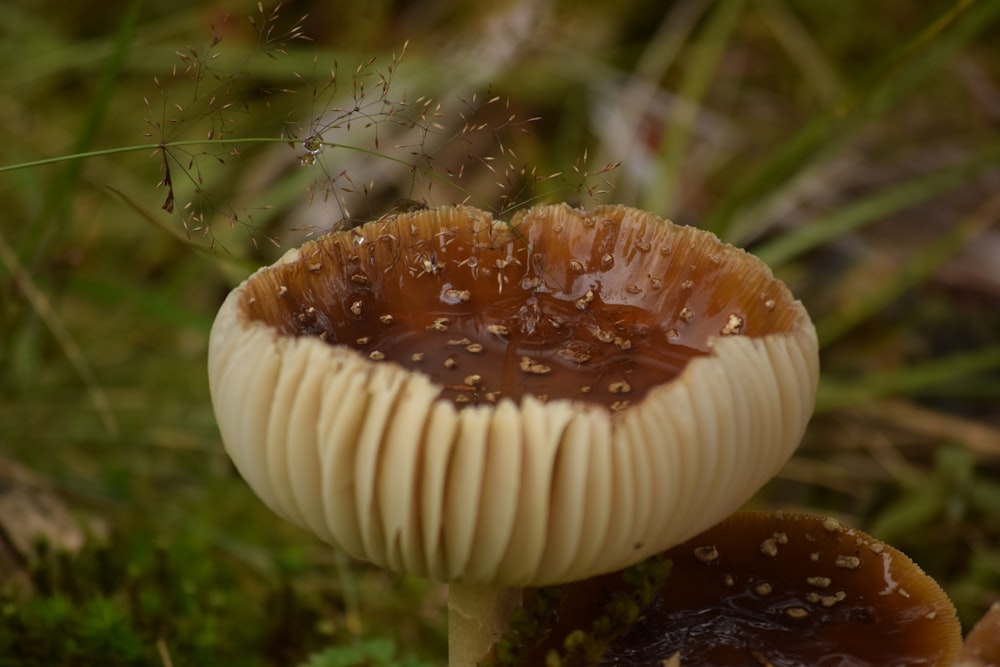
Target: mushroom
982, 644
773, 589
499, 405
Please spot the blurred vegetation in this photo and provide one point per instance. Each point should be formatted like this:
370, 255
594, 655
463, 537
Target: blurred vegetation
853, 146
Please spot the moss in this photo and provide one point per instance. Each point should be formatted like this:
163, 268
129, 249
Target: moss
130, 605
552, 627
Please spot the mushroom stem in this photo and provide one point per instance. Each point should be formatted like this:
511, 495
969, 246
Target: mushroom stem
477, 618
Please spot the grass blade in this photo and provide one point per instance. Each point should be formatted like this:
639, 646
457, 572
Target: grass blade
737, 217
59, 192
834, 326
706, 53
43, 308
841, 393
808, 236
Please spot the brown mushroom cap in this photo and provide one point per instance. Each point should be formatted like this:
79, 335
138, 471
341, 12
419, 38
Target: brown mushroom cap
783, 590
513, 403
982, 644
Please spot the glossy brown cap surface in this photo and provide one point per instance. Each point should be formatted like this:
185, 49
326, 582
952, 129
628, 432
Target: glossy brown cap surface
785, 590
511, 403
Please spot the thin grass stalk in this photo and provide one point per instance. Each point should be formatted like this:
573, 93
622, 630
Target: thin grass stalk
59, 193
835, 394
814, 233
701, 67
918, 269
737, 217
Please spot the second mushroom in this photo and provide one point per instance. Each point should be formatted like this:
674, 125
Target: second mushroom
505, 404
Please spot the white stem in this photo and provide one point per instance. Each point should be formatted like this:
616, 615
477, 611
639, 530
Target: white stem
477, 617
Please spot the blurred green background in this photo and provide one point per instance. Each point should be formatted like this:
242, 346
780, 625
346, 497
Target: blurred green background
853, 146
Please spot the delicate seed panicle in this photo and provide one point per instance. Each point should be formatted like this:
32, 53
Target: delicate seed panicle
375, 355
706, 554
474, 348
473, 380
356, 307
686, 314
440, 324
497, 329
386, 319
530, 366
585, 300
734, 325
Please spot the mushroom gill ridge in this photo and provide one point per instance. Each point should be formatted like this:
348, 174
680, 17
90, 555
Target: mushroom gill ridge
607, 347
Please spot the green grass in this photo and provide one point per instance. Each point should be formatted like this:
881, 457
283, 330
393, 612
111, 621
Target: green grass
852, 146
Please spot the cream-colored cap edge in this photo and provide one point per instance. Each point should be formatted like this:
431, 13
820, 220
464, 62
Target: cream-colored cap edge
364, 455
